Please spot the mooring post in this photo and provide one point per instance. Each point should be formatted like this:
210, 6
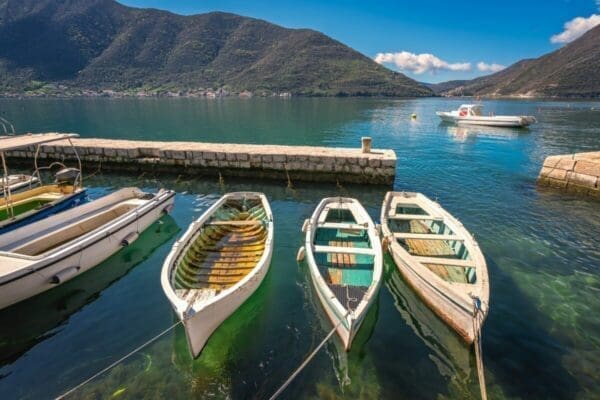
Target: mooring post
366, 144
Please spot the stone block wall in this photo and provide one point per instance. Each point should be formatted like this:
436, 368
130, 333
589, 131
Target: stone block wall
576, 173
306, 163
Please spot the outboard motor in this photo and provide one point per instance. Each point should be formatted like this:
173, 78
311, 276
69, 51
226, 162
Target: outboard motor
67, 176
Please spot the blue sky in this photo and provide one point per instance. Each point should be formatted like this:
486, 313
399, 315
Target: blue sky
458, 35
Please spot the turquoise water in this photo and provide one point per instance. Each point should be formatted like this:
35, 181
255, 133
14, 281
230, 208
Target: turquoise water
542, 336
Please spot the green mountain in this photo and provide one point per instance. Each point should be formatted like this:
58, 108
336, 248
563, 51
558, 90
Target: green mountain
101, 44
571, 71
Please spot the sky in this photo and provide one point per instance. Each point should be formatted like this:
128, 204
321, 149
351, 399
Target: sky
430, 41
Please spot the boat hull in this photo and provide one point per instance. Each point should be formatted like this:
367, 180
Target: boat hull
516, 122
439, 302
202, 324
346, 328
78, 259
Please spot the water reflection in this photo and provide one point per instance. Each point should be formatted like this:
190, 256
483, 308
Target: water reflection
30, 322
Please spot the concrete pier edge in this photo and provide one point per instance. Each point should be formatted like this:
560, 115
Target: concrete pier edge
575, 173
298, 163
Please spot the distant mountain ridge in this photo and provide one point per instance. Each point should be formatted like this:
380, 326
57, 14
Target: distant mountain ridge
571, 71
101, 44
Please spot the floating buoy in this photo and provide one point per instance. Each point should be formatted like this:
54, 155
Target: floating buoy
413, 116
300, 255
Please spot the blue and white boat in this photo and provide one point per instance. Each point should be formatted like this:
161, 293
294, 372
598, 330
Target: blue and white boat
344, 257
28, 199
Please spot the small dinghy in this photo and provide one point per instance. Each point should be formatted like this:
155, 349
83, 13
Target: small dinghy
30, 205
25, 199
439, 259
16, 183
343, 253
218, 263
41, 256
471, 114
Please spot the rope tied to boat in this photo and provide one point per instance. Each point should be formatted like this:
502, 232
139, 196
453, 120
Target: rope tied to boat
478, 317
117, 362
306, 361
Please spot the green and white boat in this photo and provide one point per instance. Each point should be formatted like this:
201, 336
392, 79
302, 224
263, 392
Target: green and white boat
343, 253
439, 259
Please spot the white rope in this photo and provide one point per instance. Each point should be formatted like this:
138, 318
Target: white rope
120, 360
306, 361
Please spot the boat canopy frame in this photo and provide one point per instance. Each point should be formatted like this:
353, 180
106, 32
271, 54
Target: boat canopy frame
16, 142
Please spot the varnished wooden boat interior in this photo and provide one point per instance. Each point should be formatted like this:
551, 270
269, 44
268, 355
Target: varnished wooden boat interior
70, 232
439, 249
225, 249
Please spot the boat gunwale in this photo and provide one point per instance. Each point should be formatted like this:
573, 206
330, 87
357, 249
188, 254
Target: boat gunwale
182, 245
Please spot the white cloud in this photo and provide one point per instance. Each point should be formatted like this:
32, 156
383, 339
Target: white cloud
419, 63
484, 67
576, 27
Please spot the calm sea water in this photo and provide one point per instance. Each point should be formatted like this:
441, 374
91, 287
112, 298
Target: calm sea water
542, 336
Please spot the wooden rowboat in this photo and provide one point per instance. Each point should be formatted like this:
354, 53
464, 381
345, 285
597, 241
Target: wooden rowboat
218, 263
344, 257
38, 257
439, 259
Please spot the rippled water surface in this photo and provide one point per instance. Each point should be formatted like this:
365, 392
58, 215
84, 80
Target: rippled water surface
542, 336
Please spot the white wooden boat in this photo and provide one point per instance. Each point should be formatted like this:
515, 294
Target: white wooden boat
41, 256
218, 263
17, 182
25, 199
344, 257
471, 114
438, 257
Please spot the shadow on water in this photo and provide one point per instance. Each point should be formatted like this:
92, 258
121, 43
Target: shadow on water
338, 374
302, 192
516, 356
520, 354
447, 351
32, 321
167, 369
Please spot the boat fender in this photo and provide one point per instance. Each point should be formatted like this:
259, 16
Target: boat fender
305, 225
168, 209
64, 275
129, 238
301, 254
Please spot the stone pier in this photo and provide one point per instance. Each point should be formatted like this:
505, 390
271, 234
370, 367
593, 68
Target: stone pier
576, 173
298, 163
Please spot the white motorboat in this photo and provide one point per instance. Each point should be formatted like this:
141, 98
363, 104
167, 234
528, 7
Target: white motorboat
438, 257
344, 257
17, 182
471, 114
38, 257
218, 263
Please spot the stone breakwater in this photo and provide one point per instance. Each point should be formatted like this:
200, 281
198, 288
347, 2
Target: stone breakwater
576, 173
298, 163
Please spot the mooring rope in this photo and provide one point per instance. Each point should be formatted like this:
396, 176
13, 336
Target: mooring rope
477, 320
120, 360
306, 361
